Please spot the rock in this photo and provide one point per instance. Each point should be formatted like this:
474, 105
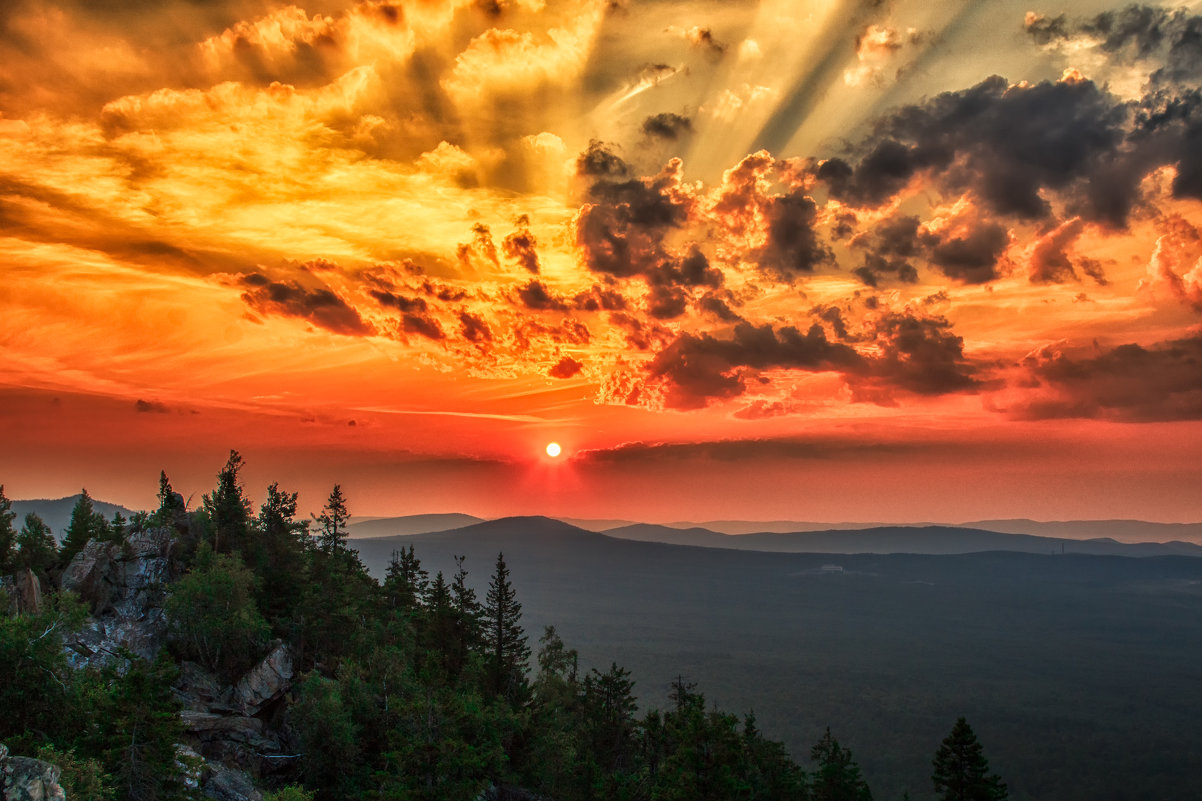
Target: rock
26, 779
226, 726
88, 575
23, 592
231, 785
265, 682
191, 766
199, 690
124, 586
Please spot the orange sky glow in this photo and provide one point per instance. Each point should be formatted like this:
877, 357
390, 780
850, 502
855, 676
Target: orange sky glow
821, 260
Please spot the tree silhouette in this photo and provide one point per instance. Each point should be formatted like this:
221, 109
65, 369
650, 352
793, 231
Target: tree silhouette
508, 651
961, 772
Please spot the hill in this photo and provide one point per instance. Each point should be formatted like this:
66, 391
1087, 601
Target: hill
1077, 671
56, 512
408, 524
900, 539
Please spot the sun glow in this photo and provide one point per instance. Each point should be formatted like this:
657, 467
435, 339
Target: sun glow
553, 449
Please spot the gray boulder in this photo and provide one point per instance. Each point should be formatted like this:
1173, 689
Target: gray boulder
26, 779
231, 785
23, 592
265, 682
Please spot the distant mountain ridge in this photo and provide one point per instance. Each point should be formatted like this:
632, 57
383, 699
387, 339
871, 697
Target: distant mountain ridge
56, 512
916, 539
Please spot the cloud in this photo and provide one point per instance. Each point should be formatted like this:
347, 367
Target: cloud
1004, 144
474, 328
739, 450
321, 307
792, 245
565, 368
151, 407
1177, 261
667, 126
1129, 383
521, 246
919, 354
696, 369
1051, 260
599, 160
535, 295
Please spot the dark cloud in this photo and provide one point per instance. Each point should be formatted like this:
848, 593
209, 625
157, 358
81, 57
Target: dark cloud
792, 246
971, 257
400, 302
535, 295
1052, 262
1127, 383
474, 328
321, 307
919, 355
640, 334
521, 246
718, 307
597, 298
151, 407
482, 245
704, 39
890, 249
1170, 37
565, 368
599, 161
698, 368
819, 448
422, 325
667, 126
1003, 143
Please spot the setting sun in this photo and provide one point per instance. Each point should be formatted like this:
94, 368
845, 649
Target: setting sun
553, 449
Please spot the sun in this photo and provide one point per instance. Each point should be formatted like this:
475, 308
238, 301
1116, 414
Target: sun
553, 449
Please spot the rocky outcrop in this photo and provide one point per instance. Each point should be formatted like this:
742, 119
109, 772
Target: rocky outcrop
124, 586
26, 779
240, 725
23, 592
265, 682
231, 785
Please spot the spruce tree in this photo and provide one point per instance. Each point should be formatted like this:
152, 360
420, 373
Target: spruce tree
86, 524
406, 582
228, 509
960, 770
8, 536
36, 548
838, 776
170, 502
507, 652
278, 555
331, 532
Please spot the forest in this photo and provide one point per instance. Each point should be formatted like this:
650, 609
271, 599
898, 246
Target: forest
413, 687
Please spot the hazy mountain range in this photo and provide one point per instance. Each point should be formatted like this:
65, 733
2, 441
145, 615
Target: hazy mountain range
1100, 537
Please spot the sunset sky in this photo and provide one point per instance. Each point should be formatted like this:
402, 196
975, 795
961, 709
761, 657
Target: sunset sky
807, 259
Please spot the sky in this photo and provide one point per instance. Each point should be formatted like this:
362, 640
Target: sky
841, 260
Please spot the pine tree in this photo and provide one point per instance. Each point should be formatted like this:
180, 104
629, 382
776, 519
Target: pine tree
228, 509
960, 770
86, 524
838, 776
278, 556
507, 652
331, 533
8, 536
406, 582
170, 501
36, 548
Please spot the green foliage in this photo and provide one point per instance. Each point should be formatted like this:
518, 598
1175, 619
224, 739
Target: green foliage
960, 770
8, 536
82, 778
838, 776
332, 522
37, 691
227, 509
278, 557
36, 548
290, 792
170, 502
507, 651
213, 616
330, 737
86, 524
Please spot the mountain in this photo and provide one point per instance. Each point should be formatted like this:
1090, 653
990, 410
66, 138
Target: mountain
900, 539
57, 512
1061, 662
408, 524
1121, 530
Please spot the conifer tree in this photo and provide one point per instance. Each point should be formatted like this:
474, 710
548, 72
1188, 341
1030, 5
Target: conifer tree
406, 582
331, 533
170, 502
278, 554
8, 536
228, 509
507, 651
86, 524
961, 772
36, 548
838, 776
